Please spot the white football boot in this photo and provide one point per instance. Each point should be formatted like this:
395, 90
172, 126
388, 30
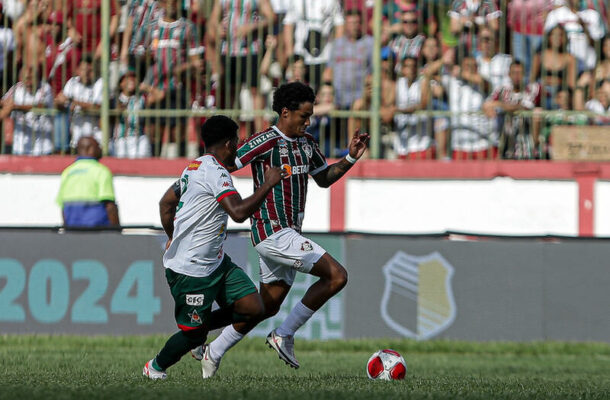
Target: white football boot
208, 366
197, 353
284, 346
152, 373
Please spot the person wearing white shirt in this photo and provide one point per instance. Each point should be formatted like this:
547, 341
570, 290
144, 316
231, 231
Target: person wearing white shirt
82, 95
584, 28
32, 131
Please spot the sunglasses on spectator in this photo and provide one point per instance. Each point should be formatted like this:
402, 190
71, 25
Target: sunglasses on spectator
486, 38
409, 21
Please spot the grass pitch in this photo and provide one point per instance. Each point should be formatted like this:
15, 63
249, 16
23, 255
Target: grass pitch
60, 367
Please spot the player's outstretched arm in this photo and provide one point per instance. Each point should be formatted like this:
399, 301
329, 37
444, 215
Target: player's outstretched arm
333, 173
240, 209
167, 208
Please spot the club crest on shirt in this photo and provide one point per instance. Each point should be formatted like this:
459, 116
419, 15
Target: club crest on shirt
306, 246
195, 318
308, 150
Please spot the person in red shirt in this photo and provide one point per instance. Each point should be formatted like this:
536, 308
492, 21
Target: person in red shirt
84, 20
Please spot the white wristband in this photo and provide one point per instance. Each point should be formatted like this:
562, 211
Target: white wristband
350, 159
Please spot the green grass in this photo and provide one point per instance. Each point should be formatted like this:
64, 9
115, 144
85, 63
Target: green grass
61, 367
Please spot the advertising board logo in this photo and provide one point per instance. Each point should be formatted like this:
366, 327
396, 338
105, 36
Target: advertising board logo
418, 301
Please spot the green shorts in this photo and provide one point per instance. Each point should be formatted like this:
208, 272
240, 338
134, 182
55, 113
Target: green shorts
194, 296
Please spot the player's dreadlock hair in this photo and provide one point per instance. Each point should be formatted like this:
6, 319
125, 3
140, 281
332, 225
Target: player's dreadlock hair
217, 129
291, 96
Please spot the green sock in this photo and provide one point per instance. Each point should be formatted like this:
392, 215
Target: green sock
176, 346
155, 365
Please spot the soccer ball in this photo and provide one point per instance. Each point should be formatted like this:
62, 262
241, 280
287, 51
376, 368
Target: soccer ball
386, 365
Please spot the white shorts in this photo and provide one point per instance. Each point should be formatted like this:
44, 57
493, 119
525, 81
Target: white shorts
284, 253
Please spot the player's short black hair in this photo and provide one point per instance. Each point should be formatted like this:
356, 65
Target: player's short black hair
217, 129
291, 96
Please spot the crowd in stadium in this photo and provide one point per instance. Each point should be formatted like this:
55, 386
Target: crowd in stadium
460, 79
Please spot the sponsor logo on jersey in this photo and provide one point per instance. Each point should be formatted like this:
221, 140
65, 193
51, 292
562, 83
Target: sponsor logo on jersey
195, 318
225, 184
295, 169
194, 165
283, 151
298, 264
261, 139
308, 150
306, 246
223, 175
281, 142
194, 299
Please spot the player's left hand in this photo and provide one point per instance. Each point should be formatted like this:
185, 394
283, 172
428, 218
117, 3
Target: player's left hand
358, 144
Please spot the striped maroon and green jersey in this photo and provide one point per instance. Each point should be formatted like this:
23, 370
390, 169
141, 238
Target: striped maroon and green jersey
235, 14
142, 12
284, 206
172, 44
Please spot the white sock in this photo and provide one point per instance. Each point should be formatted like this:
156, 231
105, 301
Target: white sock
227, 339
296, 319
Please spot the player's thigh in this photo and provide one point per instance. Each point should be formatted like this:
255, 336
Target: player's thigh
193, 298
238, 291
284, 253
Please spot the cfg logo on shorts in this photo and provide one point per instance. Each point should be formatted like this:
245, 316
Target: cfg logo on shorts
194, 299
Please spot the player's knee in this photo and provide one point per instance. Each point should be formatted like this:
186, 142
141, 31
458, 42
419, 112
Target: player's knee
338, 279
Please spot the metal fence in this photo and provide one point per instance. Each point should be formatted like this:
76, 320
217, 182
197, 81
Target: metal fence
427, 79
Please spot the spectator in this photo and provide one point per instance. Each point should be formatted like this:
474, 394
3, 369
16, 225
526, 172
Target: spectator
440, 12
553, 67
129, 139
471, 133
434, 67
7, 49
387, 106
324, 128
409, 42
393, 12
82, 97
140, 14
308, 28
61, 62
468, 15
85, 24
31, 132
29, 33
350, 61
413, 140
365, 8
600, 104
297, 70
280, 9
526, 21
517, 142
602, 71
563, 100
14, 8
493, 66
236, 30
583, 29
175, 53
86, 193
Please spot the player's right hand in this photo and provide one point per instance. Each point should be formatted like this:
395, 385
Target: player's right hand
273, 176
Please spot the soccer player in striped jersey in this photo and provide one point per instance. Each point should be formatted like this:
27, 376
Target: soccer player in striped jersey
197, 269
276, 226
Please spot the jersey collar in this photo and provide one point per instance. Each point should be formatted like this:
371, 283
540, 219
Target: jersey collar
216, 158
275, 128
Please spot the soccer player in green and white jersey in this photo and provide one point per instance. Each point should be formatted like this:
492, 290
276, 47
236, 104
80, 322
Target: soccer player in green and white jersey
196, 267
276, 226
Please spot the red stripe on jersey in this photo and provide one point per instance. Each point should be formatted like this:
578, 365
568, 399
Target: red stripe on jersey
222, 196
188, 328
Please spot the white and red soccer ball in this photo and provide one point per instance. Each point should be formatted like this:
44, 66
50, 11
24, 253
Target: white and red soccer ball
387, 365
